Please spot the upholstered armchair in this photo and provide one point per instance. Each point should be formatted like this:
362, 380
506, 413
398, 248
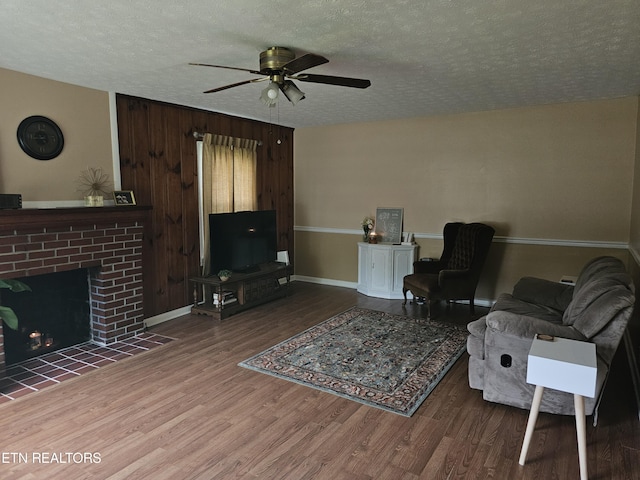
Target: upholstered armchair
455, 275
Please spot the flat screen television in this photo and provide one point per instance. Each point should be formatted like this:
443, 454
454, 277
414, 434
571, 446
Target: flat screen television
242, 241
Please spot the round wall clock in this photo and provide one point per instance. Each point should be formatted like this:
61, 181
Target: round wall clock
40, 137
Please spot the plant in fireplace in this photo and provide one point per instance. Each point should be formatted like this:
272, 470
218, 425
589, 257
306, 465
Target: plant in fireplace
6, 313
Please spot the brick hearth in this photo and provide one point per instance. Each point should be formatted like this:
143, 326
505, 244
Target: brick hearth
108, 241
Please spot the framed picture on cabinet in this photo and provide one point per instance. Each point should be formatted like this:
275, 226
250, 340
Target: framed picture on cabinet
388, 226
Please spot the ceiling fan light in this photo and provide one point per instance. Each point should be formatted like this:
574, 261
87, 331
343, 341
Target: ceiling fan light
269, 95
293, 94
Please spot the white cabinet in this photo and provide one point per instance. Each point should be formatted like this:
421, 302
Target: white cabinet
381, 268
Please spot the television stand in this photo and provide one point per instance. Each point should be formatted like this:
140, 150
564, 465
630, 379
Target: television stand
250, 269
240, 292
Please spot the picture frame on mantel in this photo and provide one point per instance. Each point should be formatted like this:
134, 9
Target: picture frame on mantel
388, 226
124, 197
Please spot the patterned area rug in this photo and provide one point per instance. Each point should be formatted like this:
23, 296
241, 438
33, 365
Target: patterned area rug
383, 360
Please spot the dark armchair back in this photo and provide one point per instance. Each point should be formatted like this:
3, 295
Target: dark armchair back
455, 276
471, 248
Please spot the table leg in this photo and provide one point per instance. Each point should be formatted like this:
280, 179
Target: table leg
531, 423
581, 431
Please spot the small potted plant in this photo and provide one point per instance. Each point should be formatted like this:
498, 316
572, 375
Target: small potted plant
224, 275
7, 314
367, 227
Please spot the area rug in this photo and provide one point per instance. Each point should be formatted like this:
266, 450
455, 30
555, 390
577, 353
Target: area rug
383, 360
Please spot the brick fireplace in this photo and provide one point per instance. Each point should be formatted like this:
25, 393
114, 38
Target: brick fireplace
106, 240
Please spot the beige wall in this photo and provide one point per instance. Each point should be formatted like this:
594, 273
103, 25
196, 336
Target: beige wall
634, 242
83, 116
635, 212
557, 172
333, 258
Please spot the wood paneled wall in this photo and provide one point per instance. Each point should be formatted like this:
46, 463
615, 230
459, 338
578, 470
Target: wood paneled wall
158, 162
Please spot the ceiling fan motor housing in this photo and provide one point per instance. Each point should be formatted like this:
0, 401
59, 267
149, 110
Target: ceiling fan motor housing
274, 58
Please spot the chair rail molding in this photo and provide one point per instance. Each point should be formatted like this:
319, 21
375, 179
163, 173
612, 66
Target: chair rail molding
497, 238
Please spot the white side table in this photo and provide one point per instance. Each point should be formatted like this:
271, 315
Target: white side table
565, 365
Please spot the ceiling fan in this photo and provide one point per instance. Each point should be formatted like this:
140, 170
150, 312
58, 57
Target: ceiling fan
279, 65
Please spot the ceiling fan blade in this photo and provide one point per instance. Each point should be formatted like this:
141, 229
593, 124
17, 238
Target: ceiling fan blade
255, 72
304, 62
244, 82
331, 80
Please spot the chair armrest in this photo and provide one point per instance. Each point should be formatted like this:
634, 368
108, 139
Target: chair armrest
422, 266
544, 292
523, 326
449, 274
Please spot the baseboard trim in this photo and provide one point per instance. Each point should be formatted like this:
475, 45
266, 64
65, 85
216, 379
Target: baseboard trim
481, 302
166, 316
179, 312
324, 281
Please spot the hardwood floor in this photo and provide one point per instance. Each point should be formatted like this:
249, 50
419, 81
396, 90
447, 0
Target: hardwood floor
187, 411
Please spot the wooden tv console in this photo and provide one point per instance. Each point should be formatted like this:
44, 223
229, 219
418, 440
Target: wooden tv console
240, 292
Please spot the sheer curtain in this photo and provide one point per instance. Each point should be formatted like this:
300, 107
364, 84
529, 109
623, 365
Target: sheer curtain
244, 175
228, 182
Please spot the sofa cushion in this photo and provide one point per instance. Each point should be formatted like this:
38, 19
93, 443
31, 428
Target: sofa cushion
508, 303
597, 267
590, 291
514, 326
595, 311
422, 283
538, 291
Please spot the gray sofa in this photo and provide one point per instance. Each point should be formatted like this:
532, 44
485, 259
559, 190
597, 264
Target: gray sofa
597, 309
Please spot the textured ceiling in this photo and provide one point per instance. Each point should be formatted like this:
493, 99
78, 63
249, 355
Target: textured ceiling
423, 57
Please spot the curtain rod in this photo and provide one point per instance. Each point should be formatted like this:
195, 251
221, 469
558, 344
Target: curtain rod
200, 136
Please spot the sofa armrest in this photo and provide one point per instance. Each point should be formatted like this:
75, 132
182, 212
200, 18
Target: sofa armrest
544, 292
522, 326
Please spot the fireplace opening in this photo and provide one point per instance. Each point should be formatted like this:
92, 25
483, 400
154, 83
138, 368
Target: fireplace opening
55, 314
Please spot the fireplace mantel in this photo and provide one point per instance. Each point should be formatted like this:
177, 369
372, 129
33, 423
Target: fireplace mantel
28, 218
